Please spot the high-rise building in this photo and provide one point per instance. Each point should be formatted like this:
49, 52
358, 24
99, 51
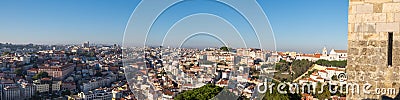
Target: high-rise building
28, 90
11, 93
373, 49
86, 44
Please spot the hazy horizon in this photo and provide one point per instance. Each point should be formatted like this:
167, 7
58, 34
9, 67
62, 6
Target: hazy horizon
303, 26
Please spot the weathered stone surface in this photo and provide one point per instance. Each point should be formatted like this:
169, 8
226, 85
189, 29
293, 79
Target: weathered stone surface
370, 51
383, 52
397, 17
387, 27
382, 44
396, 43
370, 68
391, 7
396, 38
353, 51
350, 27
356, 36
377, 1
351, 9
354, 2
358, 18
378, 8
351, 18
372, 43
362, 43
372, 36
396, 59
369, 24
350, 36
375, 17
390, 17
365, 27
351, 43
363, 8
368, 18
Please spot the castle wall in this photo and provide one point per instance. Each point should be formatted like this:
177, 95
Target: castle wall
369, 23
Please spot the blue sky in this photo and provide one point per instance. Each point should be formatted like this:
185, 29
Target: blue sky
299, 25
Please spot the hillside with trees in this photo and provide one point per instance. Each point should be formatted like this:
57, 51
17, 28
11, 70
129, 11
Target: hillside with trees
205, 92
341, 64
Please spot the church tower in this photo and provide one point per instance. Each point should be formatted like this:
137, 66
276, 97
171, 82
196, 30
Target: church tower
325, 51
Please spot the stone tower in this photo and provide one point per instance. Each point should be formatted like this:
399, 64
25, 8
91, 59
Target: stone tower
374, 48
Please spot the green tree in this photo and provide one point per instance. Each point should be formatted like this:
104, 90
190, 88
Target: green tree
334, 77
98, 74
326, 94
41, 75
282, 66
205, 92
323, 62
19, 72
300, 66
5, 53
224, 48
65, 92
35, 66
275, 95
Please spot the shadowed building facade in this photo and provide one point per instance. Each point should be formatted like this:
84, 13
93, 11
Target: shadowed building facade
374, 48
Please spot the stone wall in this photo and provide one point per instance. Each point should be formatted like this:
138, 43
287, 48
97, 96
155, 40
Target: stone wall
369, 22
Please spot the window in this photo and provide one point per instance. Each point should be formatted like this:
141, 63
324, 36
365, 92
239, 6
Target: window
390, 48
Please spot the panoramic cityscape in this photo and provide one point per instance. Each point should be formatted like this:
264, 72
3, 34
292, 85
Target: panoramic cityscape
87, 71
200, 50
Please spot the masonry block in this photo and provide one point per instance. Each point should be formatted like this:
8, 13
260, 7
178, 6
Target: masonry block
377, 1
364, 8
388, 27
391, 7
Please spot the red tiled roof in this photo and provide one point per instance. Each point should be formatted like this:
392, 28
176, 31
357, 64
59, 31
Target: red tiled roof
46, 78
187, 85
167, 92
322, 71
340, 51
222, 81
331, 68
33, 69
317, 55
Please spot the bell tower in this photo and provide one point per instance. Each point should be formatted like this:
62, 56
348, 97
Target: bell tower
325, 51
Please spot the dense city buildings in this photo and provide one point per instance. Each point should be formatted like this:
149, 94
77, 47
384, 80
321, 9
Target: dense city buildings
62, 71
97, 72
174, 70
57, 71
